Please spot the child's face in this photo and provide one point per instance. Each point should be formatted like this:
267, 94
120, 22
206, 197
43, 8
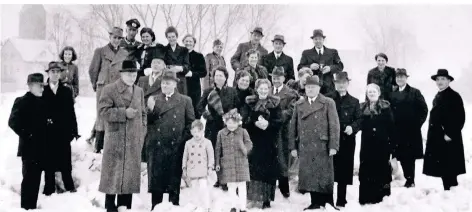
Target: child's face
197, 132
232, 124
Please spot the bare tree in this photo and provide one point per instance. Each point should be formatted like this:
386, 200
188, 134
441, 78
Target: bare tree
195, 17
146, 12
108, 15
265, 16
223, 19
171, 15
60, 30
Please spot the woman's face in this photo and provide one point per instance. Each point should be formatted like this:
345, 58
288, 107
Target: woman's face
218, 49
232, 125
263, 91
146, 38
188, 42
253, 59
243, 82
67, 56
172, 38
373, 94
381, 62
220, 78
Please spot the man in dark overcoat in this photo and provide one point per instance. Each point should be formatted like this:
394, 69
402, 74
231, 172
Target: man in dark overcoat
129, 43
288, 97
278, 58
314, 137
349, 114
410, 111
29, 121
62, 129
170, 115
240, 59
324, 62
444, 155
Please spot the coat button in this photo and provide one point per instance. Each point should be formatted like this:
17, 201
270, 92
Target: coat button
374, 129
158, 143
158, 129
173, 129
175, 116
316, 117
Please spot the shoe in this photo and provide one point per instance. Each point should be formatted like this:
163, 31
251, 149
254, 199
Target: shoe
265, 205
312, 207
409, 184
286, 195
341, 203
233, 210
224, 187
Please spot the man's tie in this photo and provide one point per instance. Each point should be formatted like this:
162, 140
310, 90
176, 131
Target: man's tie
277, 91
167, 98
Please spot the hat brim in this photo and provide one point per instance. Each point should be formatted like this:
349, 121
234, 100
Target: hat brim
61, 69
279, 40
129, 70
111, 33
258, 32
314, 36
436, 76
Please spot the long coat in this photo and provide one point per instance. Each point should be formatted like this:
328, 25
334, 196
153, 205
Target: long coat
314, 130
285, 61
410, 111
105, 69
62, 128
170, 127
145, 54
384, 79
124, 138
212, 61
198, 68
330, 58
232, 159
239, 60
349, 114
179, 57
288, 97
70, 78
28, 119
263, 164
130, 47
447, 117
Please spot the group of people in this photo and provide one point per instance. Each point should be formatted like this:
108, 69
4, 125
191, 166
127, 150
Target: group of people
151, 97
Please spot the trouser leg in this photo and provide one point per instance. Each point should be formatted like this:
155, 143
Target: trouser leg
125, 200
408, 170
49, 182
232, 192
341, 195
242, 195
99, 140
30, 184
68, 181
156, 198
284, 185
110, 202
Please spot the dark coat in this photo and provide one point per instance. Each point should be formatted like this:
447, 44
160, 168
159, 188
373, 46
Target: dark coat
29, 120
288, 97
212, 61
295, 85
285, 61
170, 127
239, 59
179, 57
263, 164
242, 94
314, 130
62, 128
198, 68
131, 48
349, 114
330, 58
144, 55
377, 145
410, 111
447, 117
214, 121
70, 78
259, 72
385, 80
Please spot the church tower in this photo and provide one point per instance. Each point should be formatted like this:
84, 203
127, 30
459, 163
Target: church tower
33, 22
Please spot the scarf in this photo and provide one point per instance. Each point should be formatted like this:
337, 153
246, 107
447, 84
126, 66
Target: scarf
374, 108
214, 100
262, 105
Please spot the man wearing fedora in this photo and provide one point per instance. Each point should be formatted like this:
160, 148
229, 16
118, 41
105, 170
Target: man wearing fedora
129, 43
171, 115
239, 60
123, 110
349, 113
324, 62
410, 111
29, 121
444, 155
314, 138
105, 69
288, 97
62, 129
279, 58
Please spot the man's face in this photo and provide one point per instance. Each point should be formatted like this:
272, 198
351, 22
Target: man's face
157, 66
115, 40
318, 41
341, 85
36, 89
218, 49
129, 77
278, 81
278, 46
54, 75
442, 82
172, 38
312, 90
168, 86
401, 80
256, 37
131, 32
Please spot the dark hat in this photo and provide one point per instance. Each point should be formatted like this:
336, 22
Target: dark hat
280, 38
35, 78
217, 42
55, 64
318, 32
341, 76
258, 29
129, 66
442, 73
133, 23
401, 71
116, 31
313, 80
278, 71
158, 56
169, 75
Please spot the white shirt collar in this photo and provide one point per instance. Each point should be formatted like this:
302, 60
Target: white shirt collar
277, 55
311, 99
278, 88
169, 95
402, 88
322, 49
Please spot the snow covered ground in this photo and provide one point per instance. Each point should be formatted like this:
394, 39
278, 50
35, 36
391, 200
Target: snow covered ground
427, 196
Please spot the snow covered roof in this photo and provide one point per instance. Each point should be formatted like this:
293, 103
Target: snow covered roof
34, 50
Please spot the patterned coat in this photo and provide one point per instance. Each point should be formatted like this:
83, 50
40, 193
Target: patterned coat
285, 61
105, 69
70, 78
231, 157
314, 130
212, 61
170, 127
239, 59
198, 158
124, 139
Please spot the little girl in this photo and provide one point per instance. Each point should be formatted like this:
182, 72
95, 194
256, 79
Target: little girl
198, 162
232, 147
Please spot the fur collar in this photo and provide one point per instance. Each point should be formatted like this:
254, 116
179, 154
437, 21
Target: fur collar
272, 101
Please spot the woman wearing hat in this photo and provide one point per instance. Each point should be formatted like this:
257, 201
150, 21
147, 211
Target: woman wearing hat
70, 77
148, 50
212, 61
257, 71
444, 155
383, 76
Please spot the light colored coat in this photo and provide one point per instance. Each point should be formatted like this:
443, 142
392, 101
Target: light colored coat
314, 130
124, 138
198, 158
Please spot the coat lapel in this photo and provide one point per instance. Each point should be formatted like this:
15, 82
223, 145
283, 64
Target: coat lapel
152, 88
109, 55
173, 102
315, 106
119, 56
